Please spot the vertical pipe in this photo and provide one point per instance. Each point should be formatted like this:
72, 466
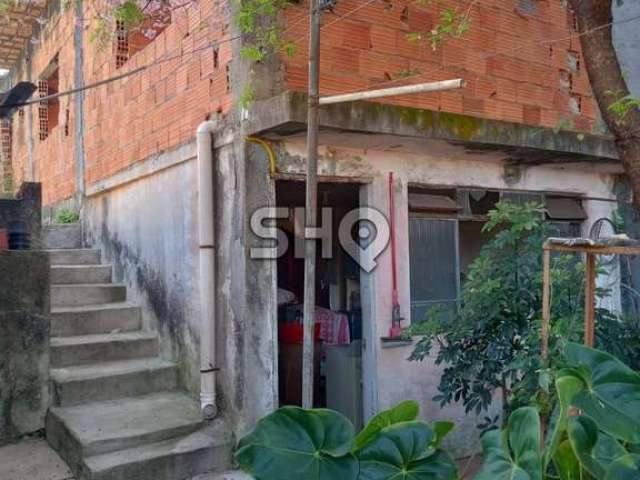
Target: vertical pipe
589, 300
546, 302
311, 200
207, 256
78, 105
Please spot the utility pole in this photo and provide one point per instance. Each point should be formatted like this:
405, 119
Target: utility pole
311, 206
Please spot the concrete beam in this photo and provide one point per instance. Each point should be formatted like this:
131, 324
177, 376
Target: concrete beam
285, 114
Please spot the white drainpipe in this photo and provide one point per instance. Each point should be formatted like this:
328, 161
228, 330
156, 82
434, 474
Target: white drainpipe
207, 257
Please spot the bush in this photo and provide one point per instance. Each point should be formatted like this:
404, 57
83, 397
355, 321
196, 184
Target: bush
493, 341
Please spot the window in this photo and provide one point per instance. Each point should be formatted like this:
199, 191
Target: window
445, 236
48, 110
128, 41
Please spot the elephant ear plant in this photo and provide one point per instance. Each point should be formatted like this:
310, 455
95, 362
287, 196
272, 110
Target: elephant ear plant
594, 434
321, 445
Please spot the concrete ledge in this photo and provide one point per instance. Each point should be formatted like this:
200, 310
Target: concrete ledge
286, 114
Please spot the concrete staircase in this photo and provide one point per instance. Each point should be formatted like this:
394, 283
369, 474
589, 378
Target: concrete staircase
118, 413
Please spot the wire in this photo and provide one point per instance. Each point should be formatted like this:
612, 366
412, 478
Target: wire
502, 52
142, 68
296, 22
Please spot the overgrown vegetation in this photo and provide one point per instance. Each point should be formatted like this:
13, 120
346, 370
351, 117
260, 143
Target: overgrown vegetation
593, 435
493, 341
66, 216
293, 443
594, 432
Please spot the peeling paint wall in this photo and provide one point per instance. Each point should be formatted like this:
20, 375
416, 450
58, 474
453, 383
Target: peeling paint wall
391, 377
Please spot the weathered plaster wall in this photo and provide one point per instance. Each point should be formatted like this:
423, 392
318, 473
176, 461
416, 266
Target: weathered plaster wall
24, 342
147, 229
145, 221
391, 378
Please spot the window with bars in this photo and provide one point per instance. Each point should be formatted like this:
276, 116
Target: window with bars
48, 110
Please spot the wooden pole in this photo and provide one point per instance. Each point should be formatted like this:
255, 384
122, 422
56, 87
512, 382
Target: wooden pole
311, 204
393, 91
589, 300
546, 302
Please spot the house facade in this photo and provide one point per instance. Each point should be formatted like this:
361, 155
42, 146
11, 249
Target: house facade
124, 155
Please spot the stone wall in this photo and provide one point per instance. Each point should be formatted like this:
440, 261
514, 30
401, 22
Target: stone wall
24, 342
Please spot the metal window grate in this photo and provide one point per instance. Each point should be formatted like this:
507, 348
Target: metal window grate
43, 110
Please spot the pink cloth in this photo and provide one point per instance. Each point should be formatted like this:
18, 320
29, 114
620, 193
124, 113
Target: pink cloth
334, 327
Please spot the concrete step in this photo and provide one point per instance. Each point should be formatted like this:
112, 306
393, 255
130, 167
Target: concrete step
207, 450
112, 380
62, 236
69, 274
97, 428
87, 294
75, 256
95, 319
88, 349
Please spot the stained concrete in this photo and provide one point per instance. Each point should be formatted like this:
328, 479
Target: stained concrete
32, 459
24, 342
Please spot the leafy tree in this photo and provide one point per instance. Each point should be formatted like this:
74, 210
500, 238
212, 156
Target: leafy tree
493, 341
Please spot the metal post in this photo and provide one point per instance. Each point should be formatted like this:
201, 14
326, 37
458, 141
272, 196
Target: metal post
589, 300
309, 309
546, 302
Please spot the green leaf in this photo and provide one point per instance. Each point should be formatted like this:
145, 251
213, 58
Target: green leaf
297, 443
402, 412
403, 451
611, 396
513, 454
441, 429
626, 467
595, 450
567, 388
566, 462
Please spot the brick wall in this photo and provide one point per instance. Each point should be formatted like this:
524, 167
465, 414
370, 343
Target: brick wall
53, 156
130, 120
6, 171
511, 75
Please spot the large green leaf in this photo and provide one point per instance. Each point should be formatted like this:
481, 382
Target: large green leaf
297, 443
567, 388
626, 467
611, 393
566, 462
402, 412
513, 454
404, 451
595, 450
